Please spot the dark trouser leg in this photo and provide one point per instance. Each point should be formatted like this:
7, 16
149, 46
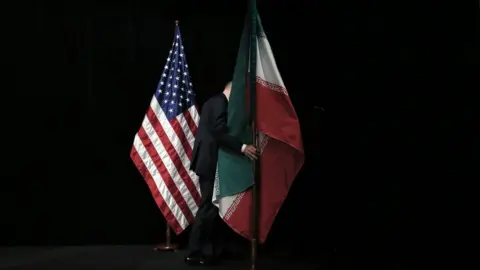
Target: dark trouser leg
219, 237
205, 218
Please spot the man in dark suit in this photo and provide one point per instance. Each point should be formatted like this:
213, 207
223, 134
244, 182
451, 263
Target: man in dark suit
212, 134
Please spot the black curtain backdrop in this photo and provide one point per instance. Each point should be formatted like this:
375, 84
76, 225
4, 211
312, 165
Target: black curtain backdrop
85, 75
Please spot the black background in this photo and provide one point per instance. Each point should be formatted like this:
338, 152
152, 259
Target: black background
85, 74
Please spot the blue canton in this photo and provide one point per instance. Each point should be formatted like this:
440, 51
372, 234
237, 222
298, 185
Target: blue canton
174, 91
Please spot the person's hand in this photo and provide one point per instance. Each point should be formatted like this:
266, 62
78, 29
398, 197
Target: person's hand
251, 152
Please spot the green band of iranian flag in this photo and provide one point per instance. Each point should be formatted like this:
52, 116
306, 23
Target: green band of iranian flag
280, 141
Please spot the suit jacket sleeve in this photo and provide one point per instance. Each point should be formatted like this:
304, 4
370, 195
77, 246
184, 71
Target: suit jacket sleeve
220, 131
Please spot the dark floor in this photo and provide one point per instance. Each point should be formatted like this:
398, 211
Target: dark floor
125, 258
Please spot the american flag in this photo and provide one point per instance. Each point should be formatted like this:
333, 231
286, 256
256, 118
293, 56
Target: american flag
162, 148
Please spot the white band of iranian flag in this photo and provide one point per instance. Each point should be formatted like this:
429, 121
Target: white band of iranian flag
282, 153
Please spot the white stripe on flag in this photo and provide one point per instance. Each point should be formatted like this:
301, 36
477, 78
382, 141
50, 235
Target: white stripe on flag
191, 140
266, 64
267, 69
194, 113
227, 205
166, 159
186, 129
162, 188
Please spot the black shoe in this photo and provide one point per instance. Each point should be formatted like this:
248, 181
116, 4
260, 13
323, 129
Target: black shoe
196, 259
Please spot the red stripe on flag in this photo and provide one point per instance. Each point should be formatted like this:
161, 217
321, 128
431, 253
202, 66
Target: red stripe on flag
177, 127
191, 123
280, 162
279, 165
162, 205
166, 177
276, 116
175, 157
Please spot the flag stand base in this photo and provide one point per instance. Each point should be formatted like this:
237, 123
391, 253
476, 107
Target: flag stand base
168, 245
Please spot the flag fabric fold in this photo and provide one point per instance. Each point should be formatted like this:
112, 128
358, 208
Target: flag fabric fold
281, 147
162, 147
235, 167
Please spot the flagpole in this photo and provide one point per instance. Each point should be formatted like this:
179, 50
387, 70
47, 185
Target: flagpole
168, 245
256, 142
255, 198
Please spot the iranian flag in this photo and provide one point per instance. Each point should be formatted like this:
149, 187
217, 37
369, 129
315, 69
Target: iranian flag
280, 140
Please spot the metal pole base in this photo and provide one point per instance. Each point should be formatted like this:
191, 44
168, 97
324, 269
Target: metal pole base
166, 247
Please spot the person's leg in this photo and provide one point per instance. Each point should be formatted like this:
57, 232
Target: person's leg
218, 237
226, 243
204, 219
197, 237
